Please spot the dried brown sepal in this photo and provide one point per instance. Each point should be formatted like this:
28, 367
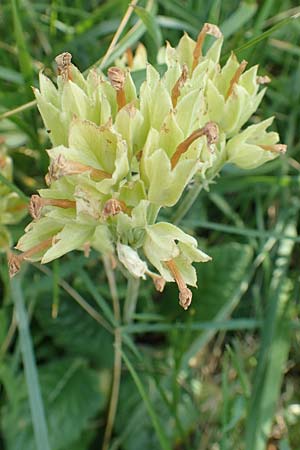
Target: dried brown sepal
61, 167
113, 207
208, 28
179, 85
185, 294
117, 79
14, 264
235, 79
15, 261
37, 203
275, 148
210, 130
185, 298
263, 79
35, 207
63, 62
159, 283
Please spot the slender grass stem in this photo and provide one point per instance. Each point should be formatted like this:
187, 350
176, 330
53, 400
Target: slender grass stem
119, 31
31, 374
13, 112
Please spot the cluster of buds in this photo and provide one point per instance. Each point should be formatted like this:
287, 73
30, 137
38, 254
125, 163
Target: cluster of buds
119, 156
12, 207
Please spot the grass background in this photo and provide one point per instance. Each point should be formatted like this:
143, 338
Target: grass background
223, 375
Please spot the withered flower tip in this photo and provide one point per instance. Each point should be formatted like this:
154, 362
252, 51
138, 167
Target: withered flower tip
185, 298
60, 166
14, 264
263, 79
113, 207
208, 28
63, 62
117, 79
37, 203
158, 281
210, 130
185, 294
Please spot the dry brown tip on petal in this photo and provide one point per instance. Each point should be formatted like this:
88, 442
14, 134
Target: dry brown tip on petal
57, 168
63, 62
263, 80
14, 264
185, 294
185, 298
179, 85
159, 283
60, 167
116, 77
210, 130
35, 207
113, 207
235, 79
208, 28
37, 203
213, 30
275, 148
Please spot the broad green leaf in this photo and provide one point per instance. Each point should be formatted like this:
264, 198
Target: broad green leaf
72, 396
75, 331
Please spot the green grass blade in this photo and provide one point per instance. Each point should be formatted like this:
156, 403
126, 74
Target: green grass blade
238, 19
151, 24
218, 325
273, 352
248, 232
163, 439
31, 374
256, 40
24, 56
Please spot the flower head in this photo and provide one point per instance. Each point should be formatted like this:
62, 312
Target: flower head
121, 154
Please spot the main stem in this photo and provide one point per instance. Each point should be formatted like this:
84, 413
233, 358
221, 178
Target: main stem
118, 355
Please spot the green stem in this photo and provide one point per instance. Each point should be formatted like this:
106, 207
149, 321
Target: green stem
131, 298
187, 203
118, 355
153, 213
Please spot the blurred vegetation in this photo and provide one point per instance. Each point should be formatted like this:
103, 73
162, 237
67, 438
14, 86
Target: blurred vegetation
224, 374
